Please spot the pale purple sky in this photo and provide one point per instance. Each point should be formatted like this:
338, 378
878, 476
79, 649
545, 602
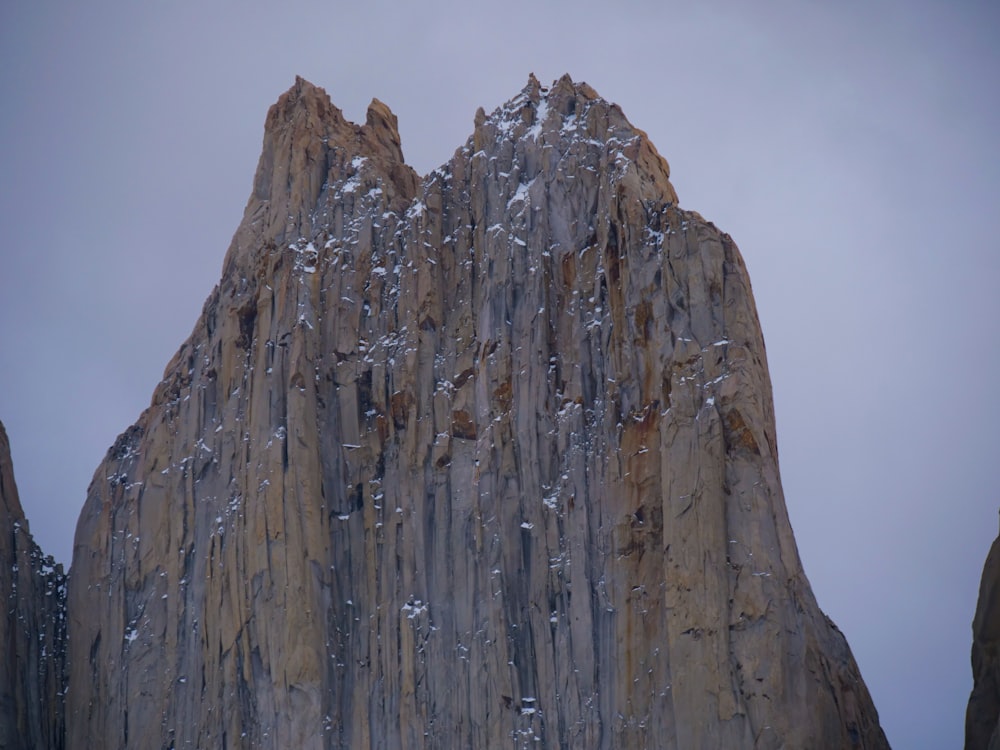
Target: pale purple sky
850, 148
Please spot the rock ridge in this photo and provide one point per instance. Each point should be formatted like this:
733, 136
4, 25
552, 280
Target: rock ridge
484, 458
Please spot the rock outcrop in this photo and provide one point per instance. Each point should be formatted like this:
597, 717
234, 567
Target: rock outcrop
982, 719
32, 630
481, 459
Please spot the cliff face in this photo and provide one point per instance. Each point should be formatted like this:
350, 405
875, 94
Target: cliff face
982, 720
482, 459
32, 630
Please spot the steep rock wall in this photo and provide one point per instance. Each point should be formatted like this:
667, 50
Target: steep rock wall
32, 630
982, 720
479, 460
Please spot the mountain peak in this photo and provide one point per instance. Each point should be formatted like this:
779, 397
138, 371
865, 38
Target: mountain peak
449, 462
309, 150
574, 116
302, 97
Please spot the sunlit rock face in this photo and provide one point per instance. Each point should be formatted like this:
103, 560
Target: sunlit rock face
32, 628
482, 459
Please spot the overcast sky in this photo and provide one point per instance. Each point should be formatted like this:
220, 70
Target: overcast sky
850, 148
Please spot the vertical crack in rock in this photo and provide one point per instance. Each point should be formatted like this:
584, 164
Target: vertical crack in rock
481, 459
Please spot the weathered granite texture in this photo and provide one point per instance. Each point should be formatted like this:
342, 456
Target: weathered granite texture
32, 629
982, 719
484, 459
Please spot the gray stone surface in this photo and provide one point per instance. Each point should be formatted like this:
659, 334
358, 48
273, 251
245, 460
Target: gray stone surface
484, 459
32, 630
982, 720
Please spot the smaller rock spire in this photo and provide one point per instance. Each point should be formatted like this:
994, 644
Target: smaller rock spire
382, 127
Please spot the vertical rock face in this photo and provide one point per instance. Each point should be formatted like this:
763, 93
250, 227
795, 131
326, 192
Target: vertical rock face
478, 460
32, 629
982, 719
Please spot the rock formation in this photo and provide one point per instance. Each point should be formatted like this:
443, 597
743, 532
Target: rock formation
982, 719
32, 630
481, 459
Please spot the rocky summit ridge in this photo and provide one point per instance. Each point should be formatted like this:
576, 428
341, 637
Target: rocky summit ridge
476, 459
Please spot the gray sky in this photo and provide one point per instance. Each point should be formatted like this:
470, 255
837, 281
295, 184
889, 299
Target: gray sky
850, 148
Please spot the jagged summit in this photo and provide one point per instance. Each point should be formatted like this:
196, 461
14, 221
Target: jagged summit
481, 459
302, 105
568, 115
309, 151
306, 109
